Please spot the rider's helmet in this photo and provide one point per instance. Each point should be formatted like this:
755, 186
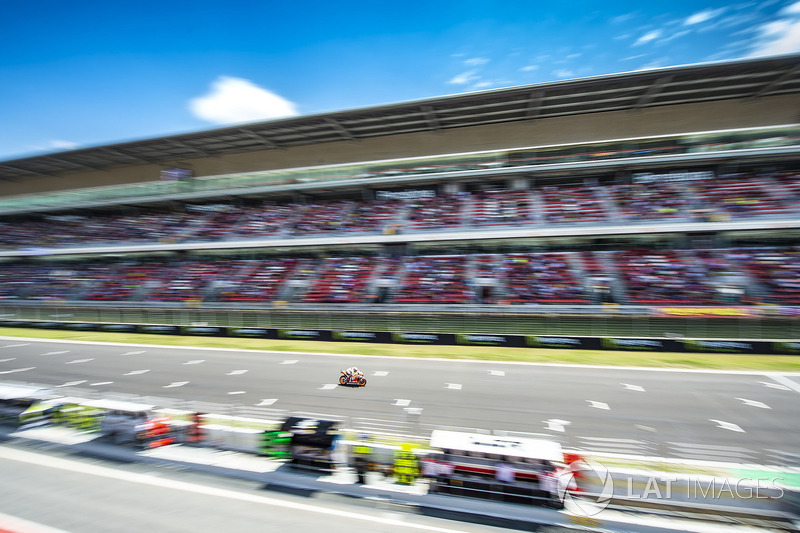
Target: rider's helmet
355, 370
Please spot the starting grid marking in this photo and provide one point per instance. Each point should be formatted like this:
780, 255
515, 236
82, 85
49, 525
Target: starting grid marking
754, 403
18, 370
637, 388
176, 384
727, 425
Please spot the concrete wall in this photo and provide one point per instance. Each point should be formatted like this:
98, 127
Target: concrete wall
685, 118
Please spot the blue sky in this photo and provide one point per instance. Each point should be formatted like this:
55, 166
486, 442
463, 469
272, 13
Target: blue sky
79, 74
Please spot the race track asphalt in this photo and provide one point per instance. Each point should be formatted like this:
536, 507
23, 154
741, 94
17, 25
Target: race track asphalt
709, 415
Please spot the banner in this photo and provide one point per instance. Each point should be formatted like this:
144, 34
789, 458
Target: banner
18, 324
118, 328
725, 346
708, 312
787, 348
647, 345
305, 334
356, 336
423, 338
159, 329
81, 326
553, 341
488, 340
205, 331
257, 333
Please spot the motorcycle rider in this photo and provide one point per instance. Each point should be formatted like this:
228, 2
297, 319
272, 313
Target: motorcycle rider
352, 371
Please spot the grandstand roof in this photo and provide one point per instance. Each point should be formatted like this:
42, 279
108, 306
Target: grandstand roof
628, 91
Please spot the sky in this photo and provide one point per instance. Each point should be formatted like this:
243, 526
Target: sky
82, 74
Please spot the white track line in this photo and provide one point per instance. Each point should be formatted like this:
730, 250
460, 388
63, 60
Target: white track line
783, 380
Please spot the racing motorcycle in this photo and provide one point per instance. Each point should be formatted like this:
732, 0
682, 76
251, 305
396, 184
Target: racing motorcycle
356, 379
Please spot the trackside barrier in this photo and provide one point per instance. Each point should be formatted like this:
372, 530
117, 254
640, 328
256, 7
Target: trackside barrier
573, 342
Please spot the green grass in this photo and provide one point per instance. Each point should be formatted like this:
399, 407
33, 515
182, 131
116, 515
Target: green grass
782, 363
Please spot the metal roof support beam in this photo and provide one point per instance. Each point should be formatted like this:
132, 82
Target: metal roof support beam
651, 92
25, 170
534, 106
126, 154
774, 83
341, 130
189, 147
261, 138
430, 116
67, 161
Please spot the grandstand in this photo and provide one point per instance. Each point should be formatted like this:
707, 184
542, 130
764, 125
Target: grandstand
567, 208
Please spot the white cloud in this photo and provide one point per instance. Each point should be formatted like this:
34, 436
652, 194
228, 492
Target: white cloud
619, 19
781, 36
54, 145
482, 84
529, 68
647, 37
675, 35
563, 73
232, 100
463, 78
60, 144
776, 38
793, 9
476, 61
656, 63
702, 16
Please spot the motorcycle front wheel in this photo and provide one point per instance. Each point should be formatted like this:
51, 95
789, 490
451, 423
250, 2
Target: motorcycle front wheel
342, 380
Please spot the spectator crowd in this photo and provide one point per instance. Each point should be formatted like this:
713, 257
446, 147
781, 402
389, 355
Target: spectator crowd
638, 277
727, 197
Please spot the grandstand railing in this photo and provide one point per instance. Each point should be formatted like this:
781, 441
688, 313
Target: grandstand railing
444, 235
682, 147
